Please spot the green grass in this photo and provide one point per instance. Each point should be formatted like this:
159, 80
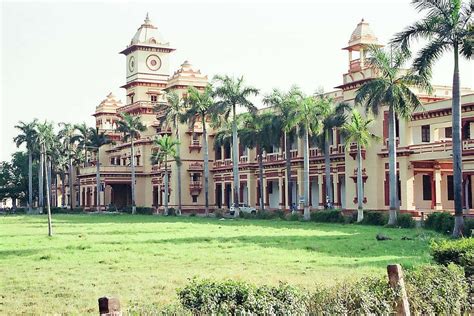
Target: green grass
143, 259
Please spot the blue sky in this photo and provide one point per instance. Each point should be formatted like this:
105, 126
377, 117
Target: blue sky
60, 59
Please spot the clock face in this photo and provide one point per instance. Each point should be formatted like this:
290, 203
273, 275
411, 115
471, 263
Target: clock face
153, 62
131, 64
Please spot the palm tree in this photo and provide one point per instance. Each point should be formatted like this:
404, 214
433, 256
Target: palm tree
131, 126
201, 105
285, 104
81, 139
331, 116
66, 134
28, 136
232, 93
46, 138
448, 26
171, 114
261, 131
96, 140
167, 149
358, 131
391, 88
307, 118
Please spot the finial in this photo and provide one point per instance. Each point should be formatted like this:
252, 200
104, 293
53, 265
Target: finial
362, 21
147, 19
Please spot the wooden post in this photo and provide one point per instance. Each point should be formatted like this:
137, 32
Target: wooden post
396, 281
109, 306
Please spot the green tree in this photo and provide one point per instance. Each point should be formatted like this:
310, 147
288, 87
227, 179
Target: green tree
66, 134
200, 106
131, 126
307, 119
80, 139
331, 116
232, 93
261, 131
96, 140
391, 88
448, 26
171, 114
46, 138
28, 136
167, 151
357, 131
285, 104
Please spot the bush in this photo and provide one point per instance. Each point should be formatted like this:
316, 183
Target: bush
460, 252
437, 290
327, 216
266, 215
172, 211
219, 213
142, 210
59, 210
281, 214
208, 297
440, 221
468, 226
375, 218
406, 221
293, 217
193, 214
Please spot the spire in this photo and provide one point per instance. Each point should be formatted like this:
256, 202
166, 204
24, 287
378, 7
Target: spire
147, 19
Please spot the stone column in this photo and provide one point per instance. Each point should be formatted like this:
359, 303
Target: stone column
322, 194
300, 191
437, 184
265, 192
281, 188
335, 193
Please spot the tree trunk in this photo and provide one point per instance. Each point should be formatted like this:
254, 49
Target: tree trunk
327, 168
63, 189
41, 184
392, 165
306, 214
78, 188
49, 170
30, 180
206, 167
457, 151
50, 227
288, 169
260, 175
178, 171
70, 183
97, 179
360, 186
167, 189
235, 162
132, 164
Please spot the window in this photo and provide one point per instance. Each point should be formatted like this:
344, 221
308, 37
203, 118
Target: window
195, 198
450, 188
426, 187
131, 98
466, 131
448, 132
425, 133
154, 98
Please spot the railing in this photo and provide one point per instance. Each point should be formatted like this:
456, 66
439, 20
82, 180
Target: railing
195, 142
222, 163
243, 159
195, 185
294, 153
196, 166
432, 147
113, 169
137, 104
272, 157
355, 65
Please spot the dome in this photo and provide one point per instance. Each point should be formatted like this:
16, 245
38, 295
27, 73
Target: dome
109, 104
148, 34
188, 75
363, 35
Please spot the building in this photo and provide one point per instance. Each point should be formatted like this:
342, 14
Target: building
424, 145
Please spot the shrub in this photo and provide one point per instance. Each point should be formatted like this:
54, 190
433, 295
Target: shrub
406, 221
280, 214
219, 213
266, 215
193, 214
375, 218
235, 297
440, 221
468, 226
294, 217
327, 216
171, 211
437, 290
460, 252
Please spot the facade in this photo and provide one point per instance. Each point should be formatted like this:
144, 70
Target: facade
424, 146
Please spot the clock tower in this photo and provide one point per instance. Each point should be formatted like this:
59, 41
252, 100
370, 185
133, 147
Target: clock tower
147, 69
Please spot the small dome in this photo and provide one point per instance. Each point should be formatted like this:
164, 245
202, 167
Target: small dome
148, 34
187, 74
363, 35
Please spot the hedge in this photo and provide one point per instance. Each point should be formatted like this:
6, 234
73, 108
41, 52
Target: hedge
443, 222
430, 289
460, 252
327, 216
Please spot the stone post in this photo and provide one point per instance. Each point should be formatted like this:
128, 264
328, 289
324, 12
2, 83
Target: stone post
397, 282
109, 306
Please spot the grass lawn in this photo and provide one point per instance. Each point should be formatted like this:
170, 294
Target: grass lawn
143, 259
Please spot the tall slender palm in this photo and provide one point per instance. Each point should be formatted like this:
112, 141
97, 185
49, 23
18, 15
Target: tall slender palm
391, 88
200, 106
131, 126
66, 134
261, 131
62, 167
46, 138
96, 140
167, 150
332, 116
285, 104
233, 93
81, 138
28, 136
307, 119
448, 26
171, 114
358, 131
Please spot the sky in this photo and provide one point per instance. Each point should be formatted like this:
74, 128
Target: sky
60, 59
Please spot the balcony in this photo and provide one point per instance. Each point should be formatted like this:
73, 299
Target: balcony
271, 157
195, 145
195, 187
196, 166
223, 163
110, 169
243, 159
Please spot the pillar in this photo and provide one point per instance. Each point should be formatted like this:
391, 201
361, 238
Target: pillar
251, 183
437, 188
362, 57
300, 189
281, 186
336, 188
322, 194
407, 185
